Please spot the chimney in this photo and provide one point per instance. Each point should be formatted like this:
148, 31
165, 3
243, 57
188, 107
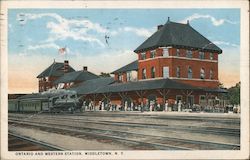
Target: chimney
159, 27
66, 66
85, 68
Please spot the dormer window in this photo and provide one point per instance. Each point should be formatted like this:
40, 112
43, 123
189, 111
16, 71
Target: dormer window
165, 52
189, 54
143, 55
201, 55
152, 54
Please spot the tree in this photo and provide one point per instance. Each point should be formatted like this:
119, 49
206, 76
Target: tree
104, 74
234, 94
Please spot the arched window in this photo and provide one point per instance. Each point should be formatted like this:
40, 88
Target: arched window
178, 72
211, 75
202, 73
190, 72
153, 72
143, 73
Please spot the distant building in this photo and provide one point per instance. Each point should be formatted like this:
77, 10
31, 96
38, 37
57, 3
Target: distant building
52, 73
62, 75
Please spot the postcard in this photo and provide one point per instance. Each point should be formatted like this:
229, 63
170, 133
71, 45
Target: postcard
124, 80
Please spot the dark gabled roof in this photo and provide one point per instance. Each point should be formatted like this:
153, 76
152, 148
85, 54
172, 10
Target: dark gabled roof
77, 76
178, 35
144, 85
33, 96
216, 90
55, 69
92, 85
133, 66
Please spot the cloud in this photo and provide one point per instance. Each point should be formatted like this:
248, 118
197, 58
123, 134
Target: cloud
43, 46
62, 28
215, 22
138, 31
225, 43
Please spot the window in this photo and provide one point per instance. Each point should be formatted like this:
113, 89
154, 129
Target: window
165, 52
190, 100
211, 74
202, 99
165, 71
189, 54
129, 76
201, 55
202, 73
178, 75
152, 54
211, 56
143, 55
144, 73
153, 72
178, 52
190, 72
120, 77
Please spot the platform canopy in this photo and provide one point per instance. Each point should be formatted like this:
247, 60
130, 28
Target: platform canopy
76, 76
91, 86
144, 85
133, 66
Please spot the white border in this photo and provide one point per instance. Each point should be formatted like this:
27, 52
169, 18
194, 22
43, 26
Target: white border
244, 72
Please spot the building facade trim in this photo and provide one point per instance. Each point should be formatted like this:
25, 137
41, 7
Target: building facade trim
176, 57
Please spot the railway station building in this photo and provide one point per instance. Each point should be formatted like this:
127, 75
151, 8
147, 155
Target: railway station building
175, 65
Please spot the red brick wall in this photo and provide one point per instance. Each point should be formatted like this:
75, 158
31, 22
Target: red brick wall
173, 63
116, 77
124, 77
201, 83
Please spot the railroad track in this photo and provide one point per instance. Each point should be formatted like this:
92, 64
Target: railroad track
21, 143
147, 141
194, 129
221, 120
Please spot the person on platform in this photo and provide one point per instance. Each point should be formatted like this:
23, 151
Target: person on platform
132, 106
179, 106
166, 106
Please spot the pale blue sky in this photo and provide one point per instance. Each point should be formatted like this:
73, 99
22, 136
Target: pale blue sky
35, 35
